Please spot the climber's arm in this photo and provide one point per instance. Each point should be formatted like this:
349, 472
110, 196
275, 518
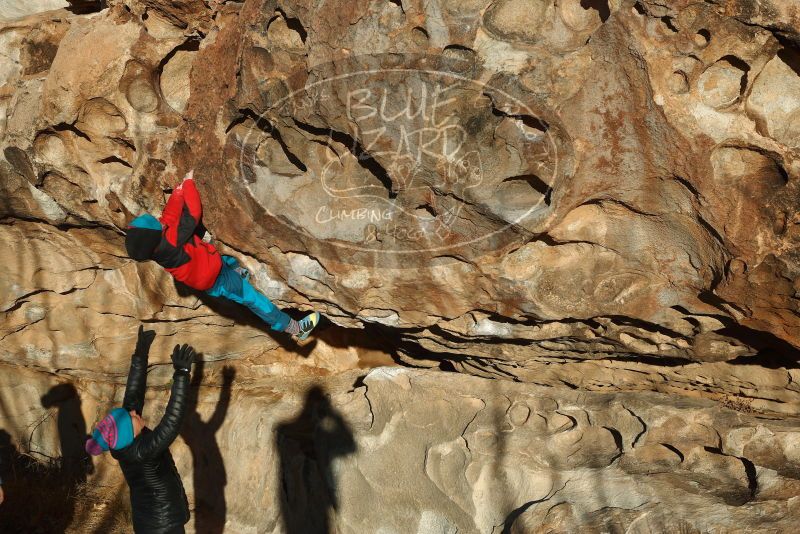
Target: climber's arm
183, 212
192, 211
137, 376
156, 442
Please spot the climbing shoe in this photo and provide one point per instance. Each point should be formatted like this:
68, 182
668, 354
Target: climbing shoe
307, 324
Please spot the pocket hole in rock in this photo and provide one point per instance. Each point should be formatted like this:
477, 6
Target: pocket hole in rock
702, 37
669, 24
420, 31
424, 211
601, 6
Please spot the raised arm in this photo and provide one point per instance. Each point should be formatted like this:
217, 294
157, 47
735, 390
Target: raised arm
137, 376
218, 417
162, 436
183, 212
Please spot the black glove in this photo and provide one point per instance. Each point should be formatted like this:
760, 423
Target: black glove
182, 357
143, 341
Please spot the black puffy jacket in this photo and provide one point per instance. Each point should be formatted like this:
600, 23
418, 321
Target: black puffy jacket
158, 500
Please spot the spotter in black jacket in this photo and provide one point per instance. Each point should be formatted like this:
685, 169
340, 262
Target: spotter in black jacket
158, 500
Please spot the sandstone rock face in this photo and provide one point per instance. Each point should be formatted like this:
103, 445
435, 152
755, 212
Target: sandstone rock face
421, 451
16, 9
598, 199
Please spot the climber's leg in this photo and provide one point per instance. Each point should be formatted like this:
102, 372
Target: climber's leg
230, 261
233, 287
233, 263
263, 307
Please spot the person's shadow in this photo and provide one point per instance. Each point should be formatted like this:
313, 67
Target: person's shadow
75, 462
24, 481
307, 446
41, 496
208, 467
8, 456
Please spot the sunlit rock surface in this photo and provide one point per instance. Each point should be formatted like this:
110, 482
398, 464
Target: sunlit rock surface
595, 196
401, 450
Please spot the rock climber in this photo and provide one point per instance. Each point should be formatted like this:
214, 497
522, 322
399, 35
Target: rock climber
158, 500
174, 243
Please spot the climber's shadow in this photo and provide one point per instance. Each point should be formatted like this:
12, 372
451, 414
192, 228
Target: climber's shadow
307, 446
40, 494
8, 458
75, 464
208, 467
245, 317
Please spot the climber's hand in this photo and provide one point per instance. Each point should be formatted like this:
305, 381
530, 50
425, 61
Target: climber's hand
182, 357
189, 175
1, 495
144, 338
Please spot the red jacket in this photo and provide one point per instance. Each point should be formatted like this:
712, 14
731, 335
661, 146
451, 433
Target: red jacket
181, 251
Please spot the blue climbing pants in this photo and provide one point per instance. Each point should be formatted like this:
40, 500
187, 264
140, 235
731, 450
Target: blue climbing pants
232, 286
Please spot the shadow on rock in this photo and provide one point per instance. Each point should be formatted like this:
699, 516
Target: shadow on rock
307, 446
208, 467
41, 497
75, 464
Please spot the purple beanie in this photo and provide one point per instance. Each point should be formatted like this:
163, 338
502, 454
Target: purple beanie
115, 431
